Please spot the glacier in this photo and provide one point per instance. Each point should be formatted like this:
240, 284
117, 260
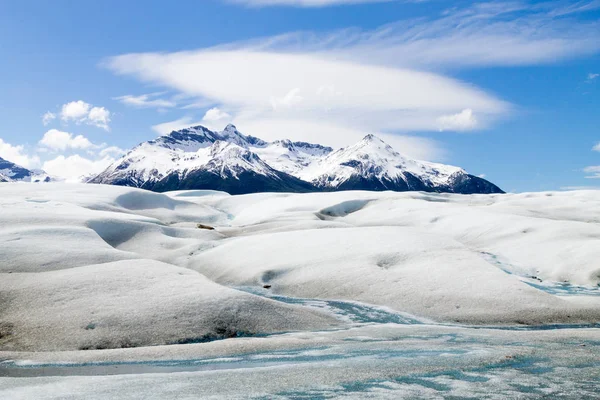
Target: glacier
113, 291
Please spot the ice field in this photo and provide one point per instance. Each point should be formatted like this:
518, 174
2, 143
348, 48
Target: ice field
110, 291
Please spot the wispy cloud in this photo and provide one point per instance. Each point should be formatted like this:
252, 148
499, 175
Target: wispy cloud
462, 121
484, 34
48, 117
170, 126
303, 88
580, 188
561, 8
112, 150
304, 3
593, 170
149, 100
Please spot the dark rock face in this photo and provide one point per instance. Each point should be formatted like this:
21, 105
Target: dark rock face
462, 184
469, 184
246, 182
251, 182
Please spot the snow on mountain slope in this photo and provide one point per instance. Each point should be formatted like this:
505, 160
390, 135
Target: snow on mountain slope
11, 172
225, 154
292, 157
372, 158
229, 159
4, 178
371, 164
233, 169
153, 160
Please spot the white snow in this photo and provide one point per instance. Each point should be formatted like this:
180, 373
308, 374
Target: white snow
95, 266
376, 159
196, 148
4, 177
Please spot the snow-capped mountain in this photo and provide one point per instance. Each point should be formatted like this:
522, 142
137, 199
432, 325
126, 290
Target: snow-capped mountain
202, 159
11, 172
372, 164
198, 158
233, 169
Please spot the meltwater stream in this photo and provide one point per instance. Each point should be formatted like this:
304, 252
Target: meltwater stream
380, 353
525, 276
348, 311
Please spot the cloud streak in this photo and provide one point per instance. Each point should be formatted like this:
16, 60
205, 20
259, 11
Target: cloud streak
304, 3
593, 171
304, 87
146, 101
484, 34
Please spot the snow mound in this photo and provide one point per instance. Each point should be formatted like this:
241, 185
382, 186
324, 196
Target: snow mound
134, 303
399, 267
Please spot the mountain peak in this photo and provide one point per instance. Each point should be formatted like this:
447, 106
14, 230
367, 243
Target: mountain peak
371, 143
371, 138
198, 157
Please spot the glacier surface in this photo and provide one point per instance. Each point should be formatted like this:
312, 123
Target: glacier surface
115, 292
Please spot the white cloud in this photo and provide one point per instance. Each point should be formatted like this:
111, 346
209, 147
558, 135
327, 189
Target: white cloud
593, 170
291, 99
216, 114
58, 140
112, 150
75, 111
81, 112
74, 167
337, 136
596, 147
580, 188
17, 155
481, 176
146, 101
100, 117
216, 119
483, 34
168, 127
48, 117
303, 3
591, 77
306, 90
462, 121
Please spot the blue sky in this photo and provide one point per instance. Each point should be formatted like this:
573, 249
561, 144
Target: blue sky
510, 90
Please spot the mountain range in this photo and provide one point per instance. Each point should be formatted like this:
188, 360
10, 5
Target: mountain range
199, 158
